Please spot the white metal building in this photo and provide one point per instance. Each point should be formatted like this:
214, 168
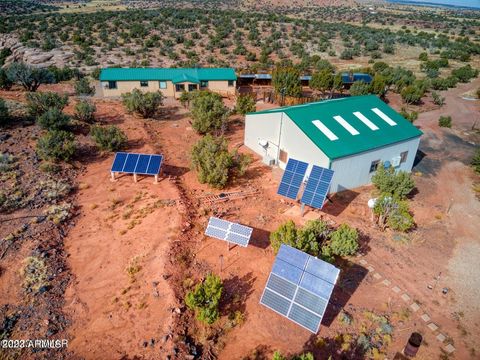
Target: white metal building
349, 135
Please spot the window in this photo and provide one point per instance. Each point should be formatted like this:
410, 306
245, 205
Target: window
374, 165
231, 83
112, 84
162, 84
144, 83
203, 83
192, 87
403, 157
283, 157
179, 87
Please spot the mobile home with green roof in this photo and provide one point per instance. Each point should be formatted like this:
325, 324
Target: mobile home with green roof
351, 136
170, 81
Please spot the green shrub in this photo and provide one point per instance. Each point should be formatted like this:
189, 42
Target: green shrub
245, 104
205, 299
412, 116
393, 213
5, 82
359, 88
285, 234
85, 111
83, 88
445, 121
63, 74
476, 161
28, 76
311, 237
4, 113
145, 104
344, 241
465, 73
53, 119
277, 355
109, 138
412, 94
56, 145
39, 103
287, 80
393, 183
208, 112
437, 99
95, 74
212, 161
423, 56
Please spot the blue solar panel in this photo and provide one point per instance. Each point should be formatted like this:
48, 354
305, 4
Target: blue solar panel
142, 164
299, 287
292, 178
317, 187
119, 161
228, 231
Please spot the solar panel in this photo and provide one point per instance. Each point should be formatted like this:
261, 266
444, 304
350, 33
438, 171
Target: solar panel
299, 287
228, 231
142, 164
317, 187
292, 178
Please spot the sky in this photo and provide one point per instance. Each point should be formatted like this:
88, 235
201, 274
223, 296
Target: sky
470, 3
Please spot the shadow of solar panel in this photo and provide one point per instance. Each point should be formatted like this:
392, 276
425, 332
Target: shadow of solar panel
131, 163
310, 301
216, 233
142, 164
240, 229
292, 178
322, 269
293, 256
237, 239
275, 302
154, 165
304, 318
119, 162
287, 271
316, 285
281, 286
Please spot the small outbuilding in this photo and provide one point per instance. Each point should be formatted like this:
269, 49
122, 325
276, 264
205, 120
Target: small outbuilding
170, 81
351, 136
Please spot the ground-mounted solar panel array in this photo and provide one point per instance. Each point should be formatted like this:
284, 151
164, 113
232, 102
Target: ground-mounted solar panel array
292, 178
317, 187
141, 164
228, 231
299, 287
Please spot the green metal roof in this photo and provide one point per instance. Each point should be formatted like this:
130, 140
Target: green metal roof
138, 74
351, 125
185, 78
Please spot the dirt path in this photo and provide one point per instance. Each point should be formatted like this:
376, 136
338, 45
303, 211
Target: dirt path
120, 302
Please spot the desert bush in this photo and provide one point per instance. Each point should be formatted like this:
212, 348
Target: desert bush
286, 81
56, 145
53, 119
476, 161
39, 103
245, 104
28, 76
185, 98
83, 88
445, 121
437, 98
85, 111
393, 183
285, 234
63, 74
410, 116
208, 112
359, 88
5, 82
378, 85
205, 299
58, 214
35, 274
423, 56
212, 161
465, 73
344, 241
411, 94
145, 104
109, 138
322, 81
4, 113
393, 213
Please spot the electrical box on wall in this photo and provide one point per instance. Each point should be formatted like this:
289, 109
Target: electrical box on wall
396, 161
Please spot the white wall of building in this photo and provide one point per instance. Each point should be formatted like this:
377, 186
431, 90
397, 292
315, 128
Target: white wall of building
354, 171
262, 127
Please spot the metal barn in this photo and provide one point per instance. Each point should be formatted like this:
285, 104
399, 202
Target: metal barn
351, 136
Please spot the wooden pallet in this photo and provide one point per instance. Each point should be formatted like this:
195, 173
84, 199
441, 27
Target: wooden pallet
210, 199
